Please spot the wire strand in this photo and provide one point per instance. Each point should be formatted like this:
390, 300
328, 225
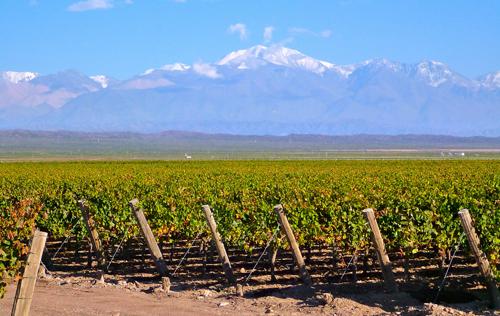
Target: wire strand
441, 286
349, 264
262, 254
116, 251
186, 253
67, 238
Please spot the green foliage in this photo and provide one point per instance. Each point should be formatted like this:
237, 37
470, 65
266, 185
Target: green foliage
416, 202
16, 229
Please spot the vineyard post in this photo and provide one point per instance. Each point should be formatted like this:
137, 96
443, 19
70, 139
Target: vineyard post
155, 251
273, 253
481, 259
94, 236
26, 285
297, 255
385, 263
226, 264
46, 258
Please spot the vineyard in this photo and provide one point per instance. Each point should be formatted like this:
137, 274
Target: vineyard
415, 202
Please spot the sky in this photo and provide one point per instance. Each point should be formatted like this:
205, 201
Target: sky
122, 38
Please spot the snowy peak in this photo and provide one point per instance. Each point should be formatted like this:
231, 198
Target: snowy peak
243, 56
17, 76
287, 90
101, 79
180, 67
491, 81
370, 67
435, 74
175, 67
68, 80
278, 55
432, 73
382, 63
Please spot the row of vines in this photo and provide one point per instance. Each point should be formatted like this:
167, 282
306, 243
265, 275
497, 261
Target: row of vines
416, 202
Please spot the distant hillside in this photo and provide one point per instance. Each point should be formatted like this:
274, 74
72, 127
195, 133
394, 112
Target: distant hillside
260, 91
18, 141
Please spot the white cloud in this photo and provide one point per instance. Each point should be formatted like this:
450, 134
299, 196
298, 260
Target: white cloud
90, 5
325, 33
206, 70
239, 28
288, 40
268, 33
300, 30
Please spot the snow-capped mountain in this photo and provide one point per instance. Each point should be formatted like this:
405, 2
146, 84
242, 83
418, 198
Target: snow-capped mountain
169, 67
17, 76
260, 90
491, 81
380, 64
101, 79
436, 73
29, 89
69, 80
278, 55
175, 67
433, 73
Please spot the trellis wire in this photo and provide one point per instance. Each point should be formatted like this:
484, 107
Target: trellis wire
44, 267
67, 238
116, 251
186, 253
457, 246
349, 264
262, 254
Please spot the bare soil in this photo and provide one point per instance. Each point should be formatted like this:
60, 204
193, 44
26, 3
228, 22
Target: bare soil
85, 295
132, 287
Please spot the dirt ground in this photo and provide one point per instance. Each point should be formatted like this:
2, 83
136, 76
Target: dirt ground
83, 295
131, 285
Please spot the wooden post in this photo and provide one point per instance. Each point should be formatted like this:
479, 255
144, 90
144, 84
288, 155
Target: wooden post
297, 255
273, 253
94, 236
47, 258
26, 285
161, 266
165, 284
481, 259
383, 258
355, 267
203, 248
226, 264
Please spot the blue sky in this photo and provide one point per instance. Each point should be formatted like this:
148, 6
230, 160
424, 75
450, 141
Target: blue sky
124, 37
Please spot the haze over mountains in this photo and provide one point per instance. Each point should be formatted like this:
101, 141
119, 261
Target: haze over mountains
260, 90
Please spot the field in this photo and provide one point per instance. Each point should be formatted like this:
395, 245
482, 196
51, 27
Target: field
64, 146
416, 204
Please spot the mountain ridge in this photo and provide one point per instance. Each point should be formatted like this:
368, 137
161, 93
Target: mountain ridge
261, 90
276, 55
19, 139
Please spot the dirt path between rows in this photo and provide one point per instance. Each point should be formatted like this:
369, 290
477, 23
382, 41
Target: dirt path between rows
85, 296
52, 299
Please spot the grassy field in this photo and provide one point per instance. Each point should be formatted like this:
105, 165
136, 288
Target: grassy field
47, 146
449, 154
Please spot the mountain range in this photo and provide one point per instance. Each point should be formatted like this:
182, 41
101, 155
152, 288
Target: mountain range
259, 91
